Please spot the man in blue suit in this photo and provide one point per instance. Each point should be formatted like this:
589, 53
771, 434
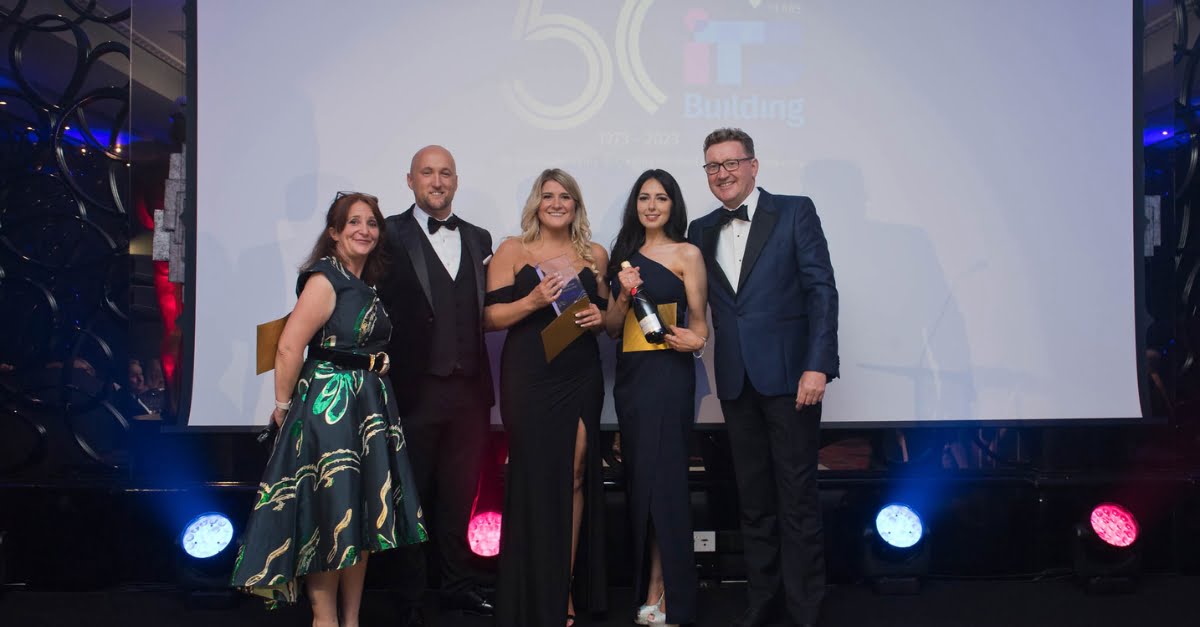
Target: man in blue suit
774, 311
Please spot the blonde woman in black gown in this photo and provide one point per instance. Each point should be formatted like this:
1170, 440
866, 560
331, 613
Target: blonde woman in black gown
655, 392
551, 542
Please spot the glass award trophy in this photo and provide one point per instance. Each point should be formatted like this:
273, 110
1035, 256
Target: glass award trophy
574, 299
572, 290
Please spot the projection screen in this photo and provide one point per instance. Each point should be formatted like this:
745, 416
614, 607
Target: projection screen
973, 164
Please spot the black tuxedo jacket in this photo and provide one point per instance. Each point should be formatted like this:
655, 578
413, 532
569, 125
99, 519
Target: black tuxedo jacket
783, 318
404, 290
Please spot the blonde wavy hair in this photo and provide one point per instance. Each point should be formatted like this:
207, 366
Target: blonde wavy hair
581, 230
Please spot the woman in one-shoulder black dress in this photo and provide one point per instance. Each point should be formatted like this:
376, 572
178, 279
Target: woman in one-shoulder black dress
551, 543
655, 391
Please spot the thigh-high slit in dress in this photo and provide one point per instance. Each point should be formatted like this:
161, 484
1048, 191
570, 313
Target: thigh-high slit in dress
542, 405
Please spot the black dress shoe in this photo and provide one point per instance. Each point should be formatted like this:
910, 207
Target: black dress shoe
412, 617
755, 617
470, 602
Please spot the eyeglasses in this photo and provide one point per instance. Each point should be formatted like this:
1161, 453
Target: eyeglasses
730, 166
341, 195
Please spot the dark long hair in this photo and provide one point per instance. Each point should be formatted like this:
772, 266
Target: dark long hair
632, 234
335, 218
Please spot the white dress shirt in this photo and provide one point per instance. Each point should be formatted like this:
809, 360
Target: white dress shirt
447, 243
731, 244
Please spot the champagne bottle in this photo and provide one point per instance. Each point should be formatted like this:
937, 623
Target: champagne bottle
646, 312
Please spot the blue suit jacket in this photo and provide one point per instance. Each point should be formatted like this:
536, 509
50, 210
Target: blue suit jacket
782, 320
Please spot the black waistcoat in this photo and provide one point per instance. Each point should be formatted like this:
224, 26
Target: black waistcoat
457, 331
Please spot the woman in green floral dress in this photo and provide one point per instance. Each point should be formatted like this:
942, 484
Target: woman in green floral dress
337, 485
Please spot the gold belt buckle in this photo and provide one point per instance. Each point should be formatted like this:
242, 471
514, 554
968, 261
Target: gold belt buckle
380, 357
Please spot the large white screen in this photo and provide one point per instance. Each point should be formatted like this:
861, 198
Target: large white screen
971, 160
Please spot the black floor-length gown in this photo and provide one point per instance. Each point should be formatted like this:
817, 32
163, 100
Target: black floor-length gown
654, 395
338, 484
541, 405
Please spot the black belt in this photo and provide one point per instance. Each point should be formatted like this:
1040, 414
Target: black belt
346, 359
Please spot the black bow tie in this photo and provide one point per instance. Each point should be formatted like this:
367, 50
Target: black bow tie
451, 223
727, 216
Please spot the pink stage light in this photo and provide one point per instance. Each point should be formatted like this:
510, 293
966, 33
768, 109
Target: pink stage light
483, 534
1114, 524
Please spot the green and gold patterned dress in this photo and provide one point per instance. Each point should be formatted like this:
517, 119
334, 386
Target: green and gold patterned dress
338, 482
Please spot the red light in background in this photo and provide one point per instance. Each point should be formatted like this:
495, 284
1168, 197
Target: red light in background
483, 534
1114, 524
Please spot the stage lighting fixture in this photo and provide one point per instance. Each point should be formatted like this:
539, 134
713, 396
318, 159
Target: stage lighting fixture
1114, 524
483, 527
1105, 550
899, 526
895, 551
206, 535
204, 560
483, 534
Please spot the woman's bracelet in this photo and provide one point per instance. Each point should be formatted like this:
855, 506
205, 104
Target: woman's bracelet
700, 353
283, 406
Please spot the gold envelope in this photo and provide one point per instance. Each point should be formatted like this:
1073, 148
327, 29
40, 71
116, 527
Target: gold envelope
558, 334
634, 340
268, 342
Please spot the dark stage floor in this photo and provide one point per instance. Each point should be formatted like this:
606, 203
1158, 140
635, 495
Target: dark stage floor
1160, 602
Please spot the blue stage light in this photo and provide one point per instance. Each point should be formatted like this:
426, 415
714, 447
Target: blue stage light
206, 535
899, 525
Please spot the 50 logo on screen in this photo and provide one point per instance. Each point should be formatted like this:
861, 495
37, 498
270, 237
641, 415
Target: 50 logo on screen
533, 25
